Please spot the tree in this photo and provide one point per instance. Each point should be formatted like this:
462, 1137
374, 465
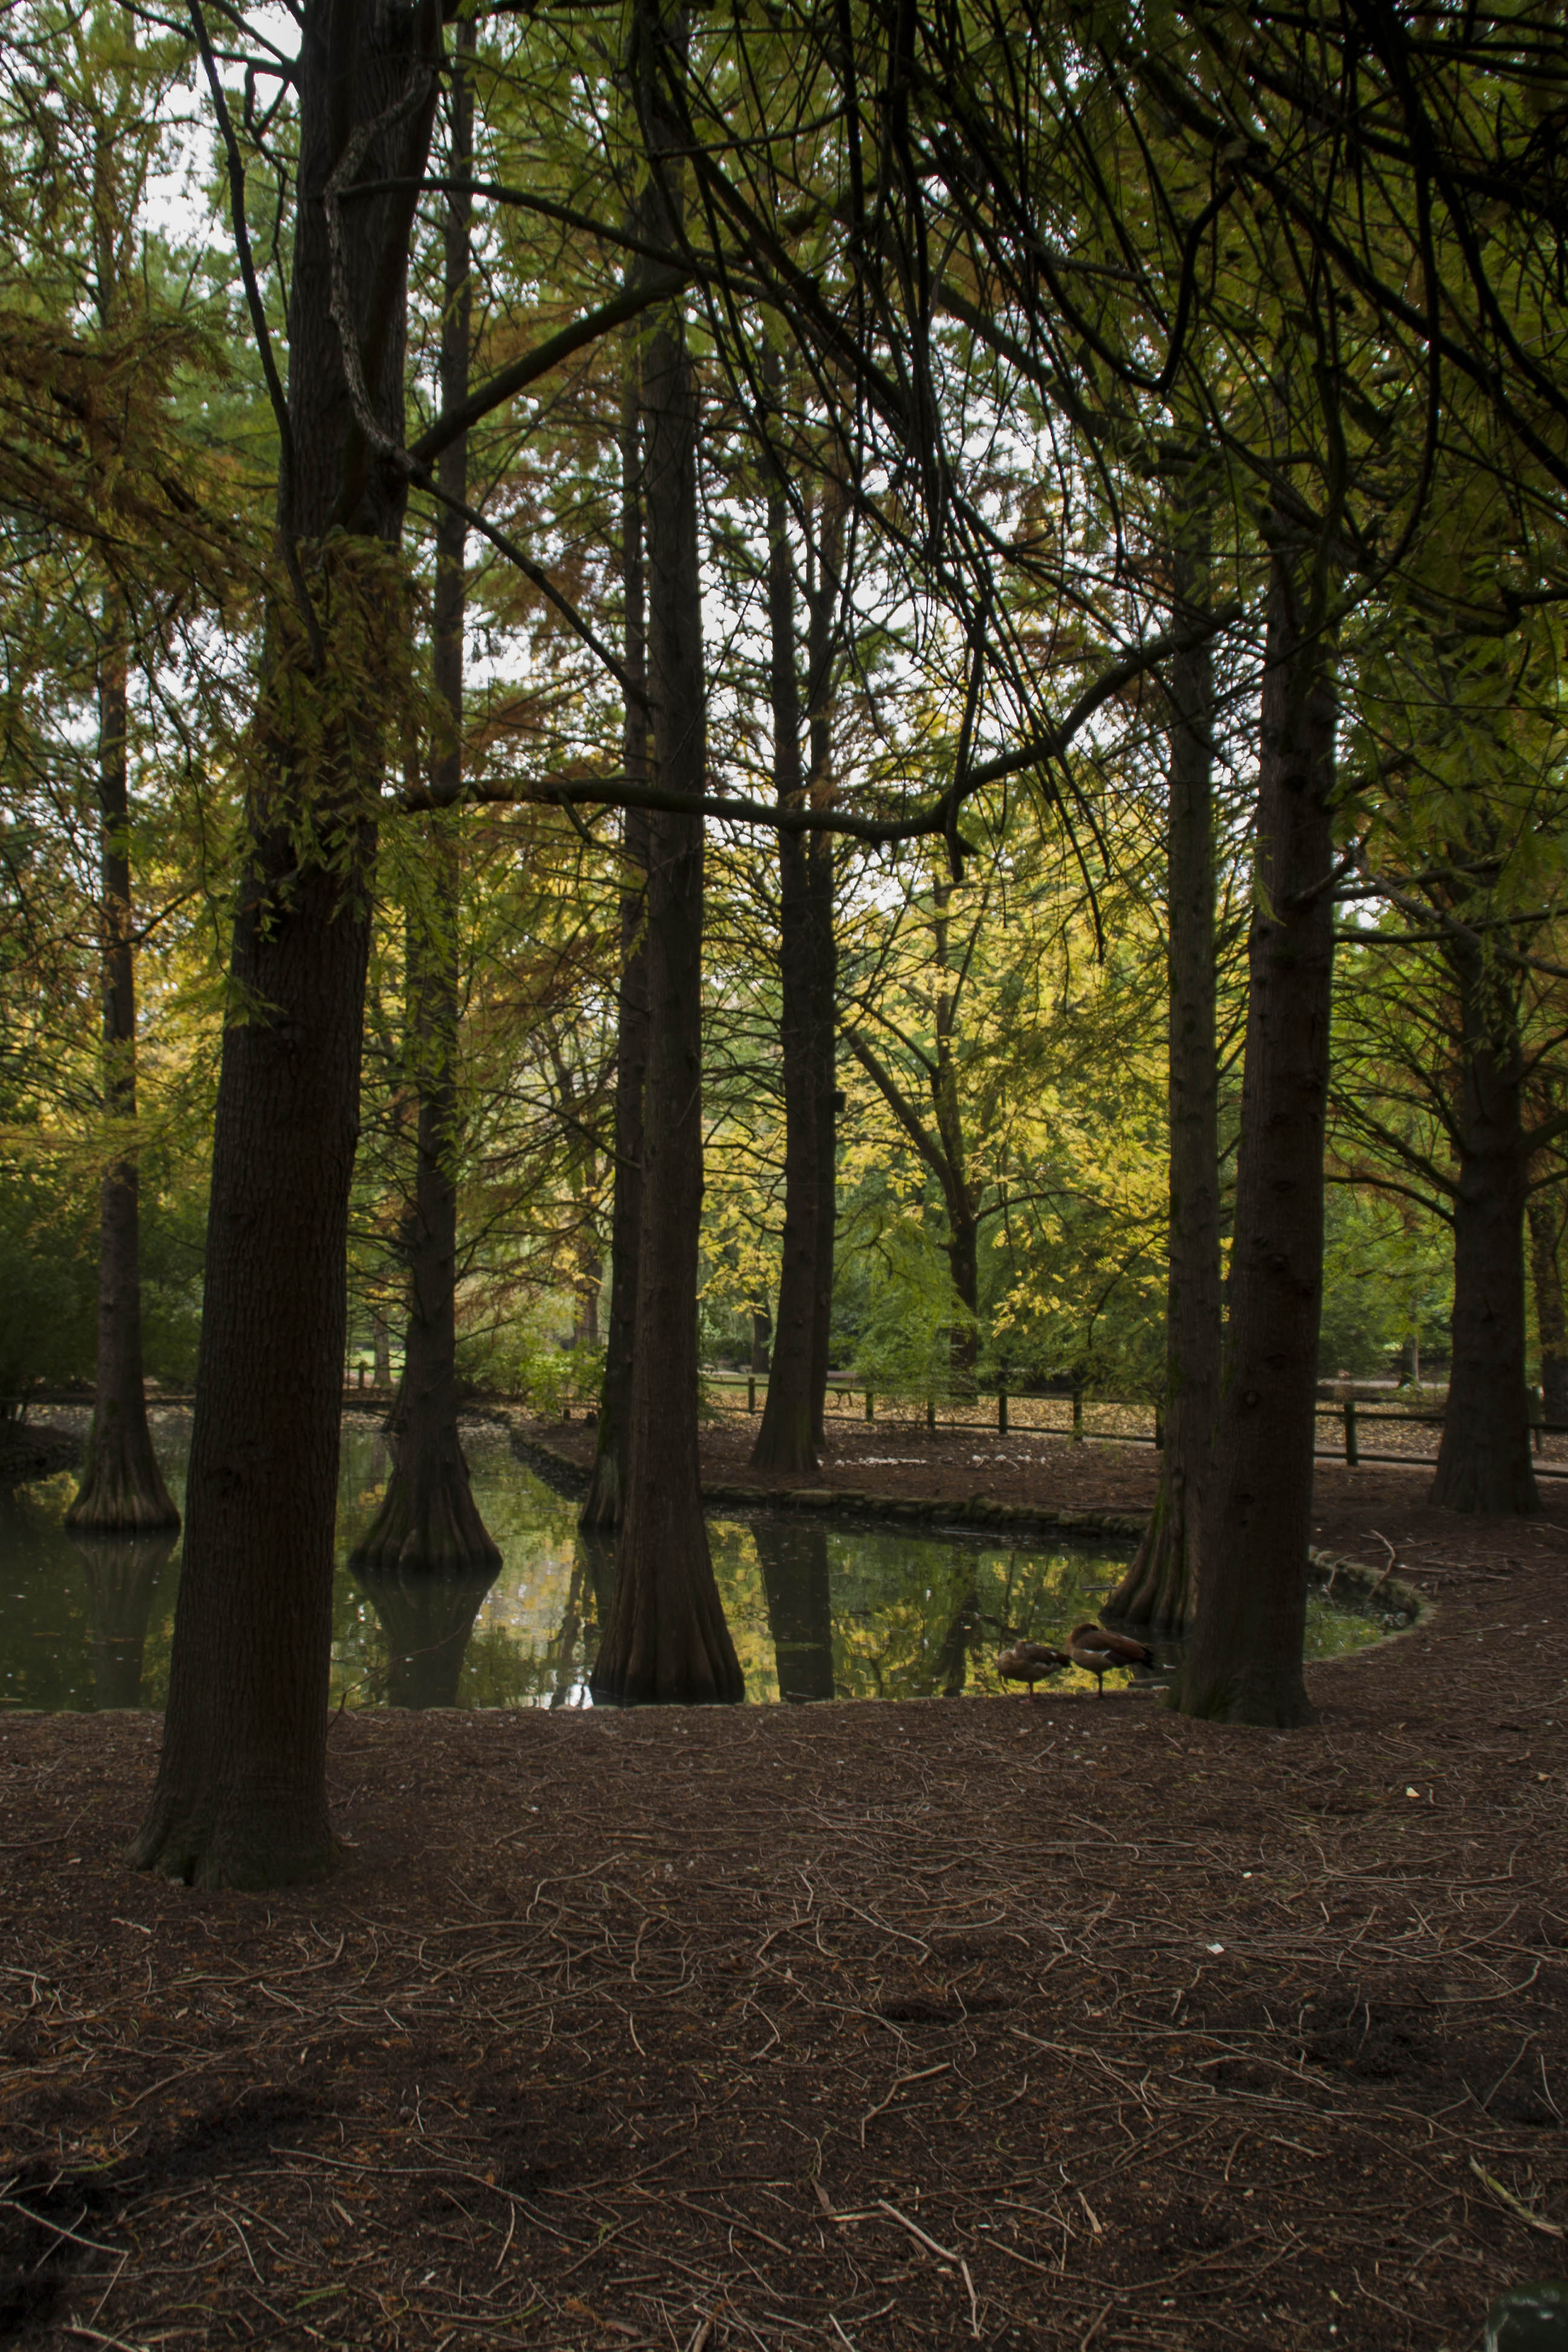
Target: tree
602, 1504
240, 1795
1160, 1587
666, 1639
428, 1520
1243, 1662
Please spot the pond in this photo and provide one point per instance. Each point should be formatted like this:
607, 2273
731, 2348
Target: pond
817, 1609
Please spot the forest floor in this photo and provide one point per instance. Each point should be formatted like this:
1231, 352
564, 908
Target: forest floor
1064, 2022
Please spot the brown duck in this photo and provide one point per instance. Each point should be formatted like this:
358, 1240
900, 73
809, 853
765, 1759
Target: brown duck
1100, 1653
1030, 1662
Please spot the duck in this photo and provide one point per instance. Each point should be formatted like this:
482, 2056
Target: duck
1030, 1662
1100, 1653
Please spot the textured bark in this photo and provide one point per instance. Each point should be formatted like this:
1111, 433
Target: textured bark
666, 1639
1159, 1590
240, 1797
123, 1574
1550, 1317
1244, 1661
603, 1502
822, 582
784, 1440
428, 1524
121, 1488
1484, 1461
798, 1585
427, 1618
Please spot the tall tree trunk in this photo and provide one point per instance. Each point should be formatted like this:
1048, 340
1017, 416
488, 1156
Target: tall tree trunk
1159, 1588
1483, 1462
240, 1797
121, 1489
602, 1504
428, 1521
823, 584
798, 1586
1244, 1664
1550, 1317
666, 1638
962, 1227
785, 1438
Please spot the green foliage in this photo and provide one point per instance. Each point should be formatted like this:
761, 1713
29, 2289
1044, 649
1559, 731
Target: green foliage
523, 1357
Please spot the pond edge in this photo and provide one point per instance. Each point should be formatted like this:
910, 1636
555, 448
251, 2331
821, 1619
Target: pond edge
1355, 1578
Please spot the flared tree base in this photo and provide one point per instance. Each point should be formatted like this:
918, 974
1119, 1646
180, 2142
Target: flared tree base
677, 1653
122, 1491
786, 1448
428, 1523
1272, 1704
1154, 1596
1472, 1479
235, 1839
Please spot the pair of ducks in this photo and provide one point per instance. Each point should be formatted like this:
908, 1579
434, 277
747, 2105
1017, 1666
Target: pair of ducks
1088, 1646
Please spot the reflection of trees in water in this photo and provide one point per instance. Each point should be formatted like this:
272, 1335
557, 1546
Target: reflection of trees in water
964, 1626
427, 1619
798, 1585
122, 1574
592, 1590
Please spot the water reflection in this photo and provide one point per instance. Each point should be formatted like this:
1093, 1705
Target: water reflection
817, 1609
427, 1620
798, 1582
123, 1574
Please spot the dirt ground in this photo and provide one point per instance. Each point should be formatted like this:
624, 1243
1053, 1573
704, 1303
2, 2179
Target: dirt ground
1063, 2022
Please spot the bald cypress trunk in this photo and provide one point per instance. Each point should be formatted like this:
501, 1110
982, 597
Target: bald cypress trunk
1244, 1661
1484, 1460
603, 1502
428, 1521
121, 1489
1550, 1317
1159, 1588
666, 1638
785, 1440
823, 584
240, 1796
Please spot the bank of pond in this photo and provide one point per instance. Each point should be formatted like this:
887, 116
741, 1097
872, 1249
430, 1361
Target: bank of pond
819, 1607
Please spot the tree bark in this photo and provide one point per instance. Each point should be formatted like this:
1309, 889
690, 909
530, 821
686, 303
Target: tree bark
798, 1585
1551, 1315
428, 1521
823, 582
784, 1440
1244, 1664
1483, 1462
240, 1797
666, 1640
122, 1489
602, 1504
1159, 1590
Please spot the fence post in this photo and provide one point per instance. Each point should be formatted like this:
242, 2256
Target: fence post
1353, 1443
361, 1376
930, 1413
870, 1402
751, 1392
1001, 1403
1078, 1412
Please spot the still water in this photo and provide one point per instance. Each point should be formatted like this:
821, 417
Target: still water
817, 1611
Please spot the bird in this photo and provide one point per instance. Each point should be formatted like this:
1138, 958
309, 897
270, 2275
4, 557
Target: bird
1100, 1653
1030, 1662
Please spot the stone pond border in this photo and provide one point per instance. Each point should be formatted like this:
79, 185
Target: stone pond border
1025, 1521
